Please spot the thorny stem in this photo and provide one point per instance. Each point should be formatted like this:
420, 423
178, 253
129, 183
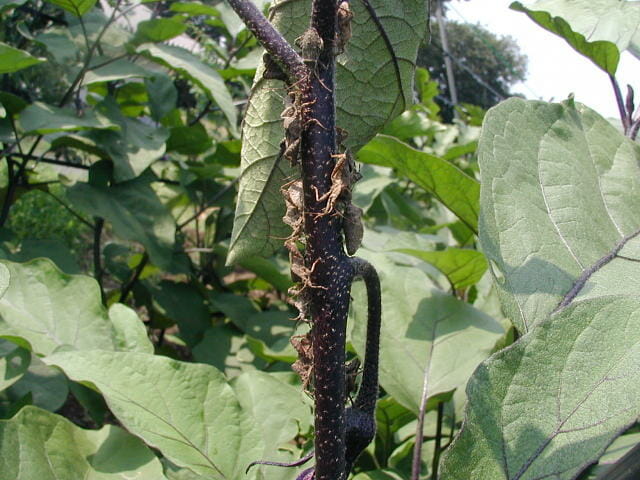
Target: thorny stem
333, 271
273, 42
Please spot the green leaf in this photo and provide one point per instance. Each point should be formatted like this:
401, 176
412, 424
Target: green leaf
191, 140
599, 46
268, 271
163, 96
186, 410
374, 84
194, 9
188, 65
57, 449
119, 70
54, 250
225, 349
279, 409
12, 59
135, 213
50, 309
14, 362
41, 118
130, 332
423, 332
183, 303
134, 147
385, 474
5, 279
455, 189
550, 405
47, 387
77, 7
558, 194
159, 29
597, 20
463, 267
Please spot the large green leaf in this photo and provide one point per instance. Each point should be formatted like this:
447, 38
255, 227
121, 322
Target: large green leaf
36, 444
12, 59
559, 191
455, 189
186, 410
187, 64
549, 406
463, 267
132, 148
135, 213
374, 84
159, 29
48, 310
427, 336
41, 118
77, 7
599, 29
279, 409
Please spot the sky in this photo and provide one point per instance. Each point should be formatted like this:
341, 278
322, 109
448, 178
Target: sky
554, 69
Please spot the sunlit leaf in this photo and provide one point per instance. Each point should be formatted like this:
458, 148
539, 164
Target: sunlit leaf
605, 54
550, 405
598, 22
12, 59
559, 192
463, 267
186, 410
455, 189
56, 449
50, 309
41, 118
159, 29
77, 7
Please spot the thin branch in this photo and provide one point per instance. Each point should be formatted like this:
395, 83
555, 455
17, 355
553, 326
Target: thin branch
97, 261
52, 161
107, 62
71, 211
126, 288
633, 131
215, 198
620, 102
273, 42
438, 446
13, 178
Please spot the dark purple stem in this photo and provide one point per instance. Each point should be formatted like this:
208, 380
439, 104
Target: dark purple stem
273, 42
620, 102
